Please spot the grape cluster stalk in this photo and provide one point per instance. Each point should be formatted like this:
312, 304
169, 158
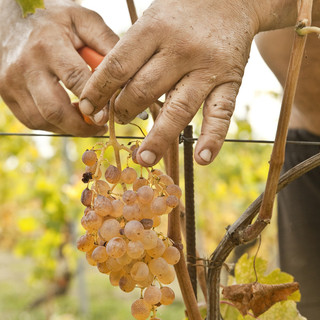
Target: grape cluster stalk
123, 208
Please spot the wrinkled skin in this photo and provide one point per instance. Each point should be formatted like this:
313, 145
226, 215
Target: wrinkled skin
40, 50
194, 50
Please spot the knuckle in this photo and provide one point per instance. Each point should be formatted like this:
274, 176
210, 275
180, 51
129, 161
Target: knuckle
139, 93
53, 114
179, 111
115, 68
73, 78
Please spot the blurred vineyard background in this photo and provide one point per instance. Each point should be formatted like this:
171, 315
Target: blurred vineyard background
42, 276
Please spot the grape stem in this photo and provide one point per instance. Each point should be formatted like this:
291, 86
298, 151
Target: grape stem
113, 140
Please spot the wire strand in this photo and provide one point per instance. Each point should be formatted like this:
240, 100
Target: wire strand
182, 138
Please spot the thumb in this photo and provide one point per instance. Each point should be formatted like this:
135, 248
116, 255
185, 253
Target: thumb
217, 112
93, 31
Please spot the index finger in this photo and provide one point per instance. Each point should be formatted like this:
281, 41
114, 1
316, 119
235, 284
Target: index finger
122, 62
181, 106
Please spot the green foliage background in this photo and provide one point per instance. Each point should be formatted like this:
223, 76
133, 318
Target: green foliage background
41, 210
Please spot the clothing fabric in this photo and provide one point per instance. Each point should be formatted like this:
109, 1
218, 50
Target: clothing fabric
299, 224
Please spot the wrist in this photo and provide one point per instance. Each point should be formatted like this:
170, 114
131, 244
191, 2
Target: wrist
276, 14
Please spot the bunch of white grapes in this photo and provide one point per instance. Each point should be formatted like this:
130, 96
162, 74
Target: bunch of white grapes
121, 239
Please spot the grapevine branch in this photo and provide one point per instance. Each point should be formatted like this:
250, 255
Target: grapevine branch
277, 157
233, 236
174, 232
201, 275
246, 231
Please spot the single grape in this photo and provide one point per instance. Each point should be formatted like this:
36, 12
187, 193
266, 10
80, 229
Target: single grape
145, 194
155, 173
117, 208
129, 197
91, 169
126, 283
152, 295
172, 201
145, 211
112, 174
91, 221
131, 212
158, 250
167, 296
134, 230
86, 197
165, 179
127, 268
158, 266
147, 281
167, 276
135, 249
171, 255
140, 309
139, 271
134, 154
174, 190
116, 247
89, 258
156, 221
128, 175
125, 259
147, 223
89, 157
113, 265
99, 254
158, 205
101, 187
102, 206
138, 183
115, 277
149, 239
109, 229
98, 175
103, 267
85, 243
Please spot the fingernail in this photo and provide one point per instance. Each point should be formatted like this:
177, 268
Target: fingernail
98, 117
205, 155
148, 157
86, 107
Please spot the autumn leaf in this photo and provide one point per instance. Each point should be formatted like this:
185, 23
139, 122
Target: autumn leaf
30, 6
244, 274
258, 297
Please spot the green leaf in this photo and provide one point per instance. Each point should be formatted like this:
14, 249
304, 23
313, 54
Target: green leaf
244, 272
30, 6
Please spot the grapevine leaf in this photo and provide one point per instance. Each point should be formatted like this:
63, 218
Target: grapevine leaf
30, 6
258, 297
271, 288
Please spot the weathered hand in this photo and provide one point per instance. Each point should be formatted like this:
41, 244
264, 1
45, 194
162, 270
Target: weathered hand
194, 50
37, 52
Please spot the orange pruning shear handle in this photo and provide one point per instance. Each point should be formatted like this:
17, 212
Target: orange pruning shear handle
93, 59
